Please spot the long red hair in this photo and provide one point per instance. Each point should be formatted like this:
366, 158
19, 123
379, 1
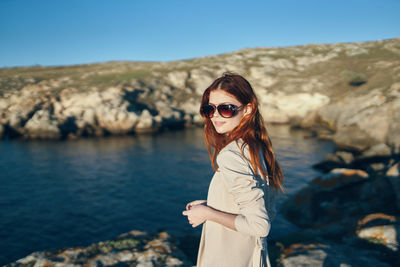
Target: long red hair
251, 129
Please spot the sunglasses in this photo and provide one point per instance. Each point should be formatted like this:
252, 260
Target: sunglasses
225, 110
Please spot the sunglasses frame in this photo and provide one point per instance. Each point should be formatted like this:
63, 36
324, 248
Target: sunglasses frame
232, 107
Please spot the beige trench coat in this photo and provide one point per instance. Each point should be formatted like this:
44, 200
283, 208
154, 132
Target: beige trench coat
235, 189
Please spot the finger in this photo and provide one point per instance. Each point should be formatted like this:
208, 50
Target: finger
184, 212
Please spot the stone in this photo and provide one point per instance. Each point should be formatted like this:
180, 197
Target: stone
41, 125
315, 257
339, 177
352, 138
293, 105
2, 130
377, 150
199, 80
326, 253
346, 157
394, 170
382, 234
334, 201
330, 162
145, 123
177, 78
377, 167
393, 136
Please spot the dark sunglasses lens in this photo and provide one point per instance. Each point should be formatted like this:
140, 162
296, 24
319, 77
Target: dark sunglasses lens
226, 111
208, 111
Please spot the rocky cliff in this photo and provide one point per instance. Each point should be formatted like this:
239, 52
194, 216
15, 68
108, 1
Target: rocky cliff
349, 92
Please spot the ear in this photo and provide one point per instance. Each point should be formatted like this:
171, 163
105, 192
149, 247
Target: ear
248, 109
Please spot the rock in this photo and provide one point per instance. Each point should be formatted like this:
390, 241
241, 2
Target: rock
310, 257
116, 121
288, 106
394, 170
41, 125
177, 78
340, 196
382, 234
146, 123
330, 162
377, 167
199, 80
339, 177
346, 138
345, 157
377, 150
295, 85
380, 229
326, 253
393, 175
130, 249
393, 135
2, 131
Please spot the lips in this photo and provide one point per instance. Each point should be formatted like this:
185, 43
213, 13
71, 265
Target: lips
218, 123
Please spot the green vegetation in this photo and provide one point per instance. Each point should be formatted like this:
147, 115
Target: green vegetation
114, 79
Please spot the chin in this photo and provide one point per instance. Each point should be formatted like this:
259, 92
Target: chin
221, 131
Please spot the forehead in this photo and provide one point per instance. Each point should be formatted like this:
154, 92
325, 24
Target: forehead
220, 96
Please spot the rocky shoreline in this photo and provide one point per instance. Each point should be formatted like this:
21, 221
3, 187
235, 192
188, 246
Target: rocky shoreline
347, 216
347, 92
135, 248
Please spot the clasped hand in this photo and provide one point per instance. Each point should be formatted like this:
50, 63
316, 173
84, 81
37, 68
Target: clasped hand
196, 211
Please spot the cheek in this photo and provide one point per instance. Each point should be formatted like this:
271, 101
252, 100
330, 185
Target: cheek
233, 122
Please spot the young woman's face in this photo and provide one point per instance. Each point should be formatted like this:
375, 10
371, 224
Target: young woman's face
225, 125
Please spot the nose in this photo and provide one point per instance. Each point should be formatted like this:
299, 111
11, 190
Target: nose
216, 113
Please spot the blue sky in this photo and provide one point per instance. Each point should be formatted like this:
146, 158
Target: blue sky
61, 32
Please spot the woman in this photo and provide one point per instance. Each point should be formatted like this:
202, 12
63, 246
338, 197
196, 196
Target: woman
240, 203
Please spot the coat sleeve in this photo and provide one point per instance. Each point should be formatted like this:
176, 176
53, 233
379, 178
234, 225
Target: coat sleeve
247, 193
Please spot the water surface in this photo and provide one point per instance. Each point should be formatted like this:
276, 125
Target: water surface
56, 194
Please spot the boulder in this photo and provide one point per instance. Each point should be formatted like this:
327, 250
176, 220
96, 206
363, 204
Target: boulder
394, 170
345, 157
342, 195
279, 107
382, 234
42, 126
339, 177
116, 121
327, 253
381, 150
380, 229
352, 138
146, 123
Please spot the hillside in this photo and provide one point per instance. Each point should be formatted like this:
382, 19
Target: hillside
333, 89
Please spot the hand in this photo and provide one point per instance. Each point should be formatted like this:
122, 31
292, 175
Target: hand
197, 214
194, 203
